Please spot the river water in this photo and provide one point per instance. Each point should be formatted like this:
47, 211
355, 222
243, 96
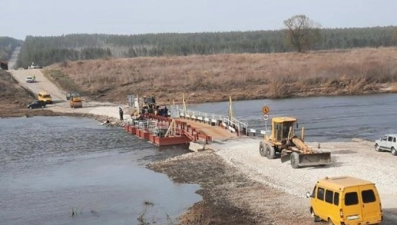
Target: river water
51, 167
324, 118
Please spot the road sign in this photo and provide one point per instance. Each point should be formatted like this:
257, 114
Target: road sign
265, 109
265, 117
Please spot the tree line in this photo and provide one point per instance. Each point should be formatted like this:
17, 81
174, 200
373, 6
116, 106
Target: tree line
47, 50
7, 46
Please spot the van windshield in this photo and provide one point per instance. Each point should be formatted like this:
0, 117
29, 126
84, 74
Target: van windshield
46, 96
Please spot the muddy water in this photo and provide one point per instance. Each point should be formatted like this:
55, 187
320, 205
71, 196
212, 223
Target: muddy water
51, 167
324, 118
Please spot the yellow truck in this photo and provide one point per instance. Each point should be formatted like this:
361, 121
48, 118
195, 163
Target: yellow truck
74, 99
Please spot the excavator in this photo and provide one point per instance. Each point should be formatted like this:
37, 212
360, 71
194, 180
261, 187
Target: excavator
283, 141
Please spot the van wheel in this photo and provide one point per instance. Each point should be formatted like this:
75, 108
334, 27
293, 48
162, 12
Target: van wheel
262, 149
295, 160
330, 222
315, 217
393, 151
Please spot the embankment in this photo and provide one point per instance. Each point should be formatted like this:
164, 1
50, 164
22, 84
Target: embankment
243, 76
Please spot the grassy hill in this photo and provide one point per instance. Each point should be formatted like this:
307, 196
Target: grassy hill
243, 76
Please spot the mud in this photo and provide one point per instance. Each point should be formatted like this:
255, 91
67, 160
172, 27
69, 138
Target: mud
229, 197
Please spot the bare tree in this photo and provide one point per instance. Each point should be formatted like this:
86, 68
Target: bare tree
301, 32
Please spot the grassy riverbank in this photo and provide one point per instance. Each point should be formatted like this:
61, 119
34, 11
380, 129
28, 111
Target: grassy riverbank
242, 76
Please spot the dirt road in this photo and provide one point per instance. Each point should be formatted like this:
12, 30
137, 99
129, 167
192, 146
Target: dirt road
41, 84
60, 104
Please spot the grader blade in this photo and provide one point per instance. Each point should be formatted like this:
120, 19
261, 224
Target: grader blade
314, 159
285, 157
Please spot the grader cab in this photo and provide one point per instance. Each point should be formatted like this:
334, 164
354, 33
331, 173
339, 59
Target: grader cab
289, 146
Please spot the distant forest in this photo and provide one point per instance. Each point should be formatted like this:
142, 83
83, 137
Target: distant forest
7, 46
48, 50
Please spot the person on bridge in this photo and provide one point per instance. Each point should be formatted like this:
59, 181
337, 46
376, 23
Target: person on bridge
165, 111
121, 113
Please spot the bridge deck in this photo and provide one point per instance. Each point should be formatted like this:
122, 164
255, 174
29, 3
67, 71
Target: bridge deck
217, 133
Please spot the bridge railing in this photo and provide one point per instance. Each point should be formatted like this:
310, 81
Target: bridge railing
233, 124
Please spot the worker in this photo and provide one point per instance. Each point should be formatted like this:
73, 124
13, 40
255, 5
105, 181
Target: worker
165, 111
121, 113
34, 77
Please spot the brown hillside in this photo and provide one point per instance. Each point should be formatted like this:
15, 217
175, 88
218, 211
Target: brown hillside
11, 92
243, 76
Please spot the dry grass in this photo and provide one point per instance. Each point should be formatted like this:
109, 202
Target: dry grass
11, 92
243, 76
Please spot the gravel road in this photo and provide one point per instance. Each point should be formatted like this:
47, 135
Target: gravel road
59, 96
356, 158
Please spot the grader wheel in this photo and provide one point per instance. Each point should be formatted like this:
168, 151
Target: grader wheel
270, 152
262, 149
295, 160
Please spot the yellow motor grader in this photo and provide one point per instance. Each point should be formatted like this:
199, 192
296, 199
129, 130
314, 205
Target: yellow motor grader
284, 141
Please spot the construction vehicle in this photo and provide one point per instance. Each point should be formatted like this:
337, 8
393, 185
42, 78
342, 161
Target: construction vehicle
284, 141
75, 100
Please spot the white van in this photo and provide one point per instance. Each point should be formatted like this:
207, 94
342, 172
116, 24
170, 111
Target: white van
387, 143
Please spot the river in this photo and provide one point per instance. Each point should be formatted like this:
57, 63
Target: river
338, 118
64, 170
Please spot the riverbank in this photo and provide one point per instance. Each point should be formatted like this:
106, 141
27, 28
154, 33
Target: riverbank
17, 110
229, 196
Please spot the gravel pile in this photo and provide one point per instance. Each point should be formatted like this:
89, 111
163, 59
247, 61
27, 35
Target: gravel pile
356, 158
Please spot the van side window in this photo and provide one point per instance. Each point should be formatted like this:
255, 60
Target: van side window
336, 198
390, 139
394, 140
368, 196
320, 193
351, 198
328, 196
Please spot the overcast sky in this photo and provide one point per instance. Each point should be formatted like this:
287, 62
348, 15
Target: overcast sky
20, 18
